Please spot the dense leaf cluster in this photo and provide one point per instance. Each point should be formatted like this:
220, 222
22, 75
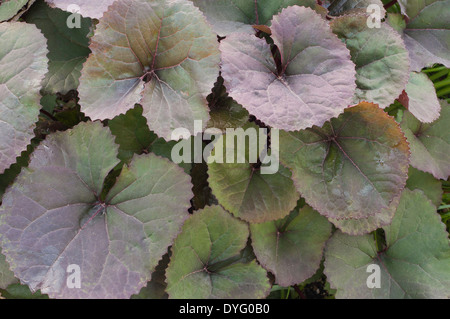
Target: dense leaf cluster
360, 115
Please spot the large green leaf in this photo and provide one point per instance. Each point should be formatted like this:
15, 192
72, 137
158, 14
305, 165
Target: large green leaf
291, 248
415, 264
9, 8
242, 188
352, 167
207, 260
23, 64
380, 56
68, 48
429, 142
161, 54
314, 82
228, 16
427, 32
53, 217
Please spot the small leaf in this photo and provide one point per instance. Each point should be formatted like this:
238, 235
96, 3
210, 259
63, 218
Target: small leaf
380, 56
352, 167
88, 8
228, 16
206, 261
23, 64
161, 54
427, 34
421, 99
315, 66
68, 48
415, 264
429, 143
52, 217
242, 188
291, 248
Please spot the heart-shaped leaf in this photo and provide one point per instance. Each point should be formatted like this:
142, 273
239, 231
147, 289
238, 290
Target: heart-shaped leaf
23, 64
421, 99
87, 8
240, 185
228, 16
207, 260
415, 263
9, 8
68, 48
315, 67
380, 56
352, 167
53, 216
427, 32
291, 248
158, 53
429, 142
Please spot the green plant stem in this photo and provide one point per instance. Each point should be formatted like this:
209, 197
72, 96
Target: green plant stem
443, 92
438, 75
439, 68
441, 84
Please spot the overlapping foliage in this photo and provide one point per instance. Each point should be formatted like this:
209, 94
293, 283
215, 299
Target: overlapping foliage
90, 180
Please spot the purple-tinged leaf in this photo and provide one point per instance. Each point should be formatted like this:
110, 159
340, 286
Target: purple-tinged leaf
53, 216
352, 167
429, 142
23, 65
427, 32
380, 56
161, 54
208, 260
291, 248
316, 80
421, 99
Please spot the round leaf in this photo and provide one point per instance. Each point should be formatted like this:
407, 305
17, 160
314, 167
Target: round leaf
242, 188
161, 54
380, 56
352, 167
52, 217
315, 67
429, 143
291, 248
23, 65
414, 265
206, 260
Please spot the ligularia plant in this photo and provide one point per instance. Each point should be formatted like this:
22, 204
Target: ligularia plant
350, 105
